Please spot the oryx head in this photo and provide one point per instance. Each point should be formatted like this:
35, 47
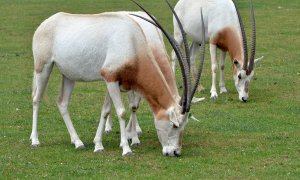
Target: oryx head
170, 124
244, 73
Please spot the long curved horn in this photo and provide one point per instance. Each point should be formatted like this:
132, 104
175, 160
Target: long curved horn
243, 37
185, 59
183, 64
201, 59
253, 46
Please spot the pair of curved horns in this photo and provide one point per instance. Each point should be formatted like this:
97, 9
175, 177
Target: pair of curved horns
183, 59
247, 68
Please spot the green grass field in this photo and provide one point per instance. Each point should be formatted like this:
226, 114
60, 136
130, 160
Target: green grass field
259, 139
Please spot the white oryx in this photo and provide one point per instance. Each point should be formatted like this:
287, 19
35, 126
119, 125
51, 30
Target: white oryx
155, 41
110, 47
224, 30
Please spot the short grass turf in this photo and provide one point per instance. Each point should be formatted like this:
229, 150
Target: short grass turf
233, 140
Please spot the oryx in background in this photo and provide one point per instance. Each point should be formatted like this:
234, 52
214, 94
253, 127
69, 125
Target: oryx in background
224, 30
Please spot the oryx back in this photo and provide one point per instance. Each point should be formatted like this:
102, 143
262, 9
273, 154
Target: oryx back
81, 44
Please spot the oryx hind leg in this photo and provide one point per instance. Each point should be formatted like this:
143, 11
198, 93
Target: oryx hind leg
40, 81
105, 112
133, 129
62, 103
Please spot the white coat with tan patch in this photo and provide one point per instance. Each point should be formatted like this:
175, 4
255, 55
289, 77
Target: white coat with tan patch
223, 31
110, 47
155, 41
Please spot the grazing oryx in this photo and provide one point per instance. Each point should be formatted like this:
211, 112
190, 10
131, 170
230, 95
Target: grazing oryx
155, 41
111, 47
224, 30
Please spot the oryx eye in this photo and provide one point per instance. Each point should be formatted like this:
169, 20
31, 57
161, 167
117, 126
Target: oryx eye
240, 76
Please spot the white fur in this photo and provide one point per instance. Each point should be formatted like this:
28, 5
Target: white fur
155, 40
81, 46
217, 14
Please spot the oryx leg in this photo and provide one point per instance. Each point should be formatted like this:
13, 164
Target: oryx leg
222, 77
115, 94
133, 128
194, 52
108, 124
134, 100
62, 104
40, 81
214, 67
105, 112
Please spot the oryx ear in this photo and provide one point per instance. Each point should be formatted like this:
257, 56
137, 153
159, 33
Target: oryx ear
237, 64
256, 61
173, 117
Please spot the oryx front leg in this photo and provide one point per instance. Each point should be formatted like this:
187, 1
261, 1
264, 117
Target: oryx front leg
222, 67
214, 67
62, 103
133, 128
105, 112
114, 92
40, 81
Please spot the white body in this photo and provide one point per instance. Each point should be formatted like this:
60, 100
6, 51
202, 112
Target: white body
154, 38
222, 32
110, 47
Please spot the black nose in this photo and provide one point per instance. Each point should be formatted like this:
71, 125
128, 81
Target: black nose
176, 154
244, 99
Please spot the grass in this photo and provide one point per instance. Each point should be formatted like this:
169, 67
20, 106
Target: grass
254, 140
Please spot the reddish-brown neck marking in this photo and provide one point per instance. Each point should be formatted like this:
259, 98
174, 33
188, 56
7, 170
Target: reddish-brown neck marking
230, 40
152, 82
162, 60
145, 76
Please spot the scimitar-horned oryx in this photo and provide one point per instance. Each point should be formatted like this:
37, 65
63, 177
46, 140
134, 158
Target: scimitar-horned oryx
155, 41
224, 30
